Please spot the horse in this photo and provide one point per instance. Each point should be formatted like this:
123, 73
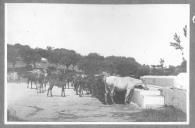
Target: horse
70, 78
45, 78
87, 84
37, 77
56, 78
83, 84
76, 83
41, 81
30, 78
34, 76
120, 83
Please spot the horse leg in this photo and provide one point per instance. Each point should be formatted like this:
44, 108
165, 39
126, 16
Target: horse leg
31, 84
48, 92
106, 97
76, 89
38, 88
45, 84
131, 95
80, 91
127, 95
51, 92
42, 85
49, 89
62, 92
36, 85
27, 83
41, 89
112, 96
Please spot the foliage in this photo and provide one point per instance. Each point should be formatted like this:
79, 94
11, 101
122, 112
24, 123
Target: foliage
162, 61
93, 63
28, 55
127, 67
177, 41
63, 56
12, 54
178, 46
143, 70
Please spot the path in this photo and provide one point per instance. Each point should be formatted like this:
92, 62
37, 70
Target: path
30, 106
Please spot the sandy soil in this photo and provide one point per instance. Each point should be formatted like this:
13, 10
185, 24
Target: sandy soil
29, 105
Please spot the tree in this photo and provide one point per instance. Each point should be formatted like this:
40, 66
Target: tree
121, 65
42, 52
49, 48
74, 57
65, 60
12, 54
30, 56
127, 67
171, 70
162, 61
92, 63
177, 44
143, 70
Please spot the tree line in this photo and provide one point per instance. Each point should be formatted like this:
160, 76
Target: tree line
93, 63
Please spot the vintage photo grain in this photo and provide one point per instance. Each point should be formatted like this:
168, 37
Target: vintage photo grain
96, 64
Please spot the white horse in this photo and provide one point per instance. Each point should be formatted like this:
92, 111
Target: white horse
120, 83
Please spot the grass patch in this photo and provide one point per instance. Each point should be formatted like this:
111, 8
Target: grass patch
166, 114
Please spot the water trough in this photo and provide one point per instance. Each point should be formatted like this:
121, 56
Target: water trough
151, 98
163, 90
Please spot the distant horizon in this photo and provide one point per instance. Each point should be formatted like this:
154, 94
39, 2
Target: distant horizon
142, 32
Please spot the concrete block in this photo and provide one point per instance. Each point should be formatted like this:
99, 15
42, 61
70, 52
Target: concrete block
148, 98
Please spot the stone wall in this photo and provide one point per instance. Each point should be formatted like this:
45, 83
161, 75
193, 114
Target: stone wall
162, 81
175, 97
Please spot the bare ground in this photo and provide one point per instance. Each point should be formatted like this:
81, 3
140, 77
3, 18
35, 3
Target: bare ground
26, 104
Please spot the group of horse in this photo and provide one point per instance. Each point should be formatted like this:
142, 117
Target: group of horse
82, 82
60, 78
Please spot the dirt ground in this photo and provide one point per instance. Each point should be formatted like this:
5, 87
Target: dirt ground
28, 105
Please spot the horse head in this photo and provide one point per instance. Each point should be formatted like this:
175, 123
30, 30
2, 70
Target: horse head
142, 85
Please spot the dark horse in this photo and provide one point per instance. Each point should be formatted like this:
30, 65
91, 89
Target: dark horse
37, 77
83, 83
31, 78
56, 78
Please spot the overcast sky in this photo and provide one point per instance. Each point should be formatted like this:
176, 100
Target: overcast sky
139, 31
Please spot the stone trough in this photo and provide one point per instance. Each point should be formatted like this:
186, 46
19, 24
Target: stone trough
151, 98
163, 90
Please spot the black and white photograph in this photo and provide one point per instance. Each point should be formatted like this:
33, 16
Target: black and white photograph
96, 63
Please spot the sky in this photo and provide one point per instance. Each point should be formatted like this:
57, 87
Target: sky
140, 31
